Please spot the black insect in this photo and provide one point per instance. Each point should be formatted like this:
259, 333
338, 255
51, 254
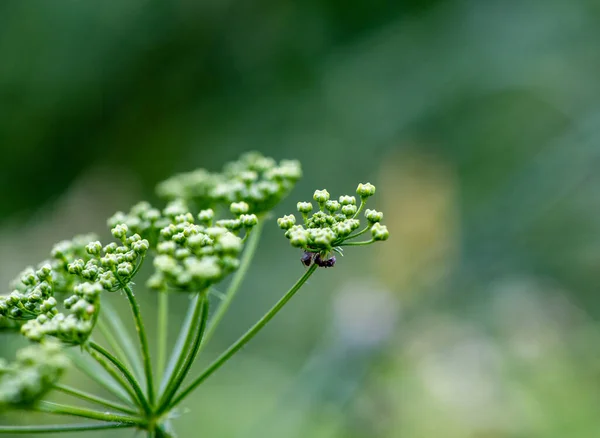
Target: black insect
327, 263
308, 258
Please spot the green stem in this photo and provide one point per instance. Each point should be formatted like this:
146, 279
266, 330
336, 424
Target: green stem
94, 372
190, 352
56, 428
236, 282
366, 242
93, 398
352, 236
58, 409
116, 325
362, 205
129, 384
180, 344
163, 331
244, 339
139, 326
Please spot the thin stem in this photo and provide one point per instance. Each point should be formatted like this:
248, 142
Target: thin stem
93, 398
362, 205
56, 428
192, 350
360, 233
58, 409
366, 242
245, 338
180, 344
163, 331
95, 373
236, 282
117, 326
139, 326
129, 384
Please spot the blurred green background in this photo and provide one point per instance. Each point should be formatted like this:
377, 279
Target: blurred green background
479, 122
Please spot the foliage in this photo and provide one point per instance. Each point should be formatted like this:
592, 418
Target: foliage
208, 230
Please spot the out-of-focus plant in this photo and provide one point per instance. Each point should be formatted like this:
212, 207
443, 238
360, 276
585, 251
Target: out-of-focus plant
209, 229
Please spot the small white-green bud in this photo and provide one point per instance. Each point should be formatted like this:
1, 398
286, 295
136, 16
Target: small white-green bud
286, 222
239, 208
365, 190
373, 216
347, 200
321, 196
379, 232
304, 207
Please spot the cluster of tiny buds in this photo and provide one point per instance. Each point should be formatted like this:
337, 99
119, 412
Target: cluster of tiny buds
254, 179
333, 225
32, 375
34, 297
192, 256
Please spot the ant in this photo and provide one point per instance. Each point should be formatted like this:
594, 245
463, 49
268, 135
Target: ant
309, 257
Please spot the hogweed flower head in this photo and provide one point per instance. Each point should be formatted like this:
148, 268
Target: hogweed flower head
334, 226
260, 182
193, 256
33, 373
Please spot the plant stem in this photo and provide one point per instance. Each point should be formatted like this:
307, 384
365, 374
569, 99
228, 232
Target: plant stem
236, 282
139, 326
163, 331
361, 232
117, 326
192, 348
244, 339
92, 370
180, 344
58, 409
133, 388
56, 428
93, 398
366, 242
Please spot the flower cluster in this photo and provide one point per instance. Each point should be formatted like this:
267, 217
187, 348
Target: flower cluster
33, 373
333, 226
78, 271
254, 179
193, 256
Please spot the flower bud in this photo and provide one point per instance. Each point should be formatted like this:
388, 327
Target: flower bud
379, 232
206, 216
349, 210
286, 222
120, 231
365, 190
304, 207
373, 216
347, 200
238, 208
321, 196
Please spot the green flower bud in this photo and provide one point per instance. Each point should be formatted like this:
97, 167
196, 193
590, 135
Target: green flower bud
373, 216
304, 207
379, 232
365, 190
286, 222
349, 210
299, 238
93, 248
248, 220
238, 208
321, 196
347, 200
206, 216
120, 231
332, 206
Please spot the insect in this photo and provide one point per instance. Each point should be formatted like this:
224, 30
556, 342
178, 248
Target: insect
308, 258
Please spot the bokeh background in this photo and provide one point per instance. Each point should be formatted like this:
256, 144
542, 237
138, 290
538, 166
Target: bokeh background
479, 122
